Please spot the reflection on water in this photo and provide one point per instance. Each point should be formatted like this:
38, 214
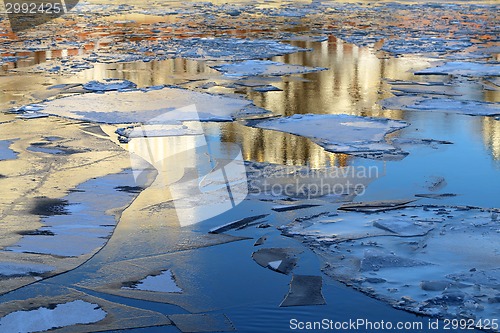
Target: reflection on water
355, 81
491, 135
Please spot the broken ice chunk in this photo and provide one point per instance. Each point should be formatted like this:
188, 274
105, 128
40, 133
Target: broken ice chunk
277, 259
236, 224
170, 105
304, 290
263, 67
375, 206
340, 133
375, 260
468, 107
462, 68
109, 85
403, 228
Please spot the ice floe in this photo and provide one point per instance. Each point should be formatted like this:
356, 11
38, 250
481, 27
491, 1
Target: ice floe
263, 67
281, 260
435, 260
435, 104
168, 105
304, 290
340, 133
109, 85
463, 68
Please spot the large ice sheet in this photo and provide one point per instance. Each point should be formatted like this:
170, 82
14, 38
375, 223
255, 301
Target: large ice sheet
340, 133
263, 67
435, 104
81, 222
435, 260
129, 107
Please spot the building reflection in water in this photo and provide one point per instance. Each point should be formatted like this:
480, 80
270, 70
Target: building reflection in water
353, 84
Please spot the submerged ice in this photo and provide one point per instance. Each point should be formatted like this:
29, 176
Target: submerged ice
435, 260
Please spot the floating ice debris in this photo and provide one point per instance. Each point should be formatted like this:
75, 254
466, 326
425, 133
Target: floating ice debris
158, 130
164, 282
340, 133
436, 183
419, 89
375, 206
5, 152
168, 104
424, 45
266, 88
416, 141
61, 315
462, 68
472, 108
195, 323
236, 224
260, 241
436, 195
435, 260
226, 48
285, 208
20, 269
403, 228
277, 259
32, 115
304, 290
305, 38
109, 85
81, 222
263, 67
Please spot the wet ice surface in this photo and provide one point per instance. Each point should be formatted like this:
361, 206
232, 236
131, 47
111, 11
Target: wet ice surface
262, 67
171, 105
81, 223
5, 152
435, 260
20, 269
164, 282
361, 136
463, 68
61, 315
434, 104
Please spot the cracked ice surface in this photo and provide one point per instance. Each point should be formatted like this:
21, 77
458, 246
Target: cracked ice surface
42, 319
362, 136
434, 260
263, 67
129, 107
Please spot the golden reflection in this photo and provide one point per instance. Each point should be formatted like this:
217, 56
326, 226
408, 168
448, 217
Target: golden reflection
491, 135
